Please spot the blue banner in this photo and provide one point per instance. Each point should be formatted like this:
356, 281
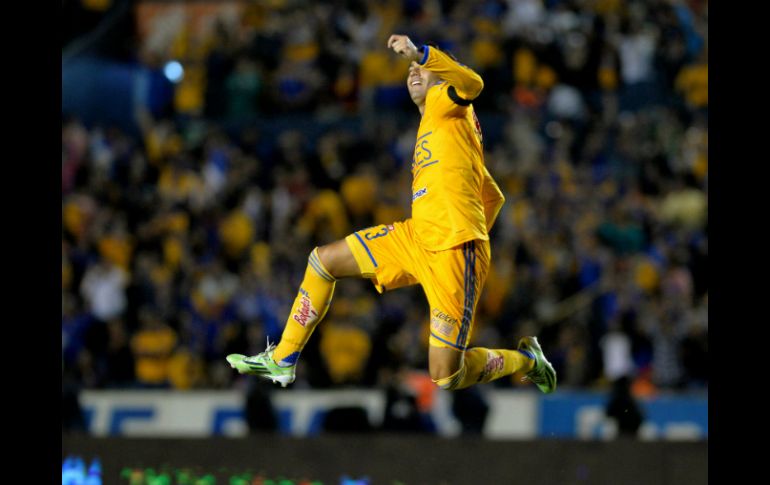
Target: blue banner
582, 415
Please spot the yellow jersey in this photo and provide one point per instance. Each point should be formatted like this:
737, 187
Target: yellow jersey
454, 198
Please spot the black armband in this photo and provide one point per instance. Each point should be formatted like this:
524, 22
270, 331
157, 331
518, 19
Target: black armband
452, 92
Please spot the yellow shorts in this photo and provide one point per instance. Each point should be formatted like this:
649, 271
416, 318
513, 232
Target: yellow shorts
452, 279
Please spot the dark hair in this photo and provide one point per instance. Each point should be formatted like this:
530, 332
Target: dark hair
435, 46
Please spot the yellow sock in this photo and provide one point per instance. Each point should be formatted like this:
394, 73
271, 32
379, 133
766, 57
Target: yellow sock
309, 308
482, 365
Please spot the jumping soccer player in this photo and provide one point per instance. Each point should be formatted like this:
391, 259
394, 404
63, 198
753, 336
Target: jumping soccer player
444, 246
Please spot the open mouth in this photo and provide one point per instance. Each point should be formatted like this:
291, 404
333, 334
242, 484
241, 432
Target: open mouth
416, 83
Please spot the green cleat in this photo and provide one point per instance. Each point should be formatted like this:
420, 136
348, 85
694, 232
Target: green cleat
542, 374
262, 365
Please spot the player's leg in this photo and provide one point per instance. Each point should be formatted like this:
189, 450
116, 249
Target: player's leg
452, 364
373, 253
453, 369
325, 265
444, 365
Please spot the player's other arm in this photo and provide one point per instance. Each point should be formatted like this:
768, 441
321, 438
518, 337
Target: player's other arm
493, 199
467, 83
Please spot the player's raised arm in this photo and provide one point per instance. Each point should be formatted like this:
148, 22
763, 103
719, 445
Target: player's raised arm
465, 80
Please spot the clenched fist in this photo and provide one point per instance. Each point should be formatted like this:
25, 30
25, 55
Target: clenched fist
403, 46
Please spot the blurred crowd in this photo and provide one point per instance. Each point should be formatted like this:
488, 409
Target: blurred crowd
188, 242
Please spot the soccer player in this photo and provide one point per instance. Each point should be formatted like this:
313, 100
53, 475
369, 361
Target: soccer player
444, 246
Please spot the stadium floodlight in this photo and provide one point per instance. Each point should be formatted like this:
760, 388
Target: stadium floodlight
173, 71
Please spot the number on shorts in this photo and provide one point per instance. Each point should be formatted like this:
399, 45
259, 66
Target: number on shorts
369, 236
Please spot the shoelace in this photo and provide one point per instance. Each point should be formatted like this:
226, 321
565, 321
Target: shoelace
537, 378
270, 346
253, 358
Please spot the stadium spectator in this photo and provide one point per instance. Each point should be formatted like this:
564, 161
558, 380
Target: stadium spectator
623, 409
152, 346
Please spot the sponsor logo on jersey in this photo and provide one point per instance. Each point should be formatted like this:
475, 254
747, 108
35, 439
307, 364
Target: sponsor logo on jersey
441, 327
442, 323
443, 316
419, 193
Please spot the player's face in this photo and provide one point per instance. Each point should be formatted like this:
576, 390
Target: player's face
418, 81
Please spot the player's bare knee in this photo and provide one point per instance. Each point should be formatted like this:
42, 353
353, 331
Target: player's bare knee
446, 367
442, 370
337, 259
448, 380
326, 256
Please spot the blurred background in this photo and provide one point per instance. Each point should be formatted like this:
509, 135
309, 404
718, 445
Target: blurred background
208, 146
